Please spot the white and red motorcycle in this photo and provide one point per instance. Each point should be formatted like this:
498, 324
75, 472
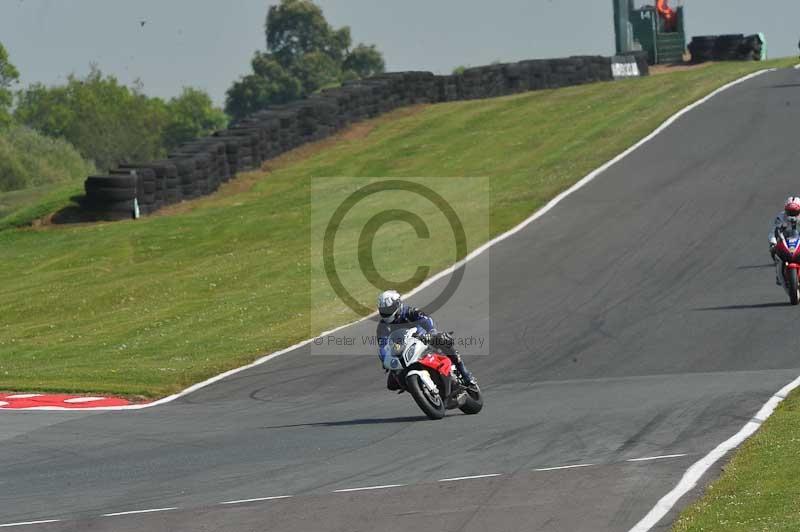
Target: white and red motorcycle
429, 376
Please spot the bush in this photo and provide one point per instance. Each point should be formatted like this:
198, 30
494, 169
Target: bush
110, 123
29, 159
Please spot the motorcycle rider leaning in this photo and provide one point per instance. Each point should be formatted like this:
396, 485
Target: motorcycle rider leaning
394, 315
786, 219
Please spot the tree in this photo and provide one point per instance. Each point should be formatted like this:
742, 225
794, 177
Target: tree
365, 61
269, 84
8, 75
110, 123
107, 122
304, 53
297, 27
315, 70
191, 115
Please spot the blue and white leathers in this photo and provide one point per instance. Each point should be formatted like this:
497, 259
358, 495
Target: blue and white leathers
406, 318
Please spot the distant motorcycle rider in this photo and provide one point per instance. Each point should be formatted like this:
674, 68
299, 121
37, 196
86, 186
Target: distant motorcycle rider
395, 315
785, 220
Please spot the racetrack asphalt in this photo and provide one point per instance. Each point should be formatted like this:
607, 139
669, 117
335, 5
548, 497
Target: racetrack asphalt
637, 319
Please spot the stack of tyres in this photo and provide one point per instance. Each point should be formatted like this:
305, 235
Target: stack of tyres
111, 197
210, 155
538, 74
470, 84
702, 48
447, 88
752, 47
186, 169
340, 101
265, 128
729, 47
258, 142
733, 47
494, 81
288, 136
146, 187
567, 72
166, 181
517, 76
600, 67
203, 181
234, 150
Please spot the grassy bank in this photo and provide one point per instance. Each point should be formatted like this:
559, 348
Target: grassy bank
151, 306
758, 490
37, 175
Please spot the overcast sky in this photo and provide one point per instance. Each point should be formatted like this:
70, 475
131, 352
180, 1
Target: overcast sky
208, 43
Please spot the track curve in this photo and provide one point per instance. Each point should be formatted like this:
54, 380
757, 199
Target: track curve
633, 328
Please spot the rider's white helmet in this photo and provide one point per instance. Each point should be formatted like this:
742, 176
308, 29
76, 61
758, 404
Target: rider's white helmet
389, 303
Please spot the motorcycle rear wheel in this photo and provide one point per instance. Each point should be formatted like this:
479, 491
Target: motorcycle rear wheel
794, 296
432, 404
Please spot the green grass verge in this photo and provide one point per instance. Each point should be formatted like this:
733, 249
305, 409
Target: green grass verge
759, 490
149, 307
21, 208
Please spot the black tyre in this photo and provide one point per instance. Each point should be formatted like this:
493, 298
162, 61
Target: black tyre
474, 402
122, 209
111, 194
111, 181
432, 404
794, 296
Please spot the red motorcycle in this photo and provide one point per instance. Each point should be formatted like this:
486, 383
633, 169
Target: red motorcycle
788, 251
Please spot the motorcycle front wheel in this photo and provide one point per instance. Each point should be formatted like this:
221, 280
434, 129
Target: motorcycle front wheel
430, 403
794, 296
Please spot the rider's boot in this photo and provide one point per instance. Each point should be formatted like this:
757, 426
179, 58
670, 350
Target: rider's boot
391, 383
778, 273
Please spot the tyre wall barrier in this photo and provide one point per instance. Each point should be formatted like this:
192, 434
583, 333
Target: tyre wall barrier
734, 47
199, 167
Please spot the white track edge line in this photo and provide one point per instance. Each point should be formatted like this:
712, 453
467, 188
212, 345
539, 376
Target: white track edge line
133, 512
367, 488
26, 523
559, 468
661, 457
693, 475
258, 499
478, 251
454, 479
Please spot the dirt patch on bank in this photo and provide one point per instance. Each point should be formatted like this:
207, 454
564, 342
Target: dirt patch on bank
666, 69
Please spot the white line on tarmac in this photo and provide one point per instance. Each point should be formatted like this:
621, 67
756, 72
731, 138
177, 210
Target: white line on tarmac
693, 475
563, 467
469, 478
7, 525
662, 457
387, 486
149, 511
258, 499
